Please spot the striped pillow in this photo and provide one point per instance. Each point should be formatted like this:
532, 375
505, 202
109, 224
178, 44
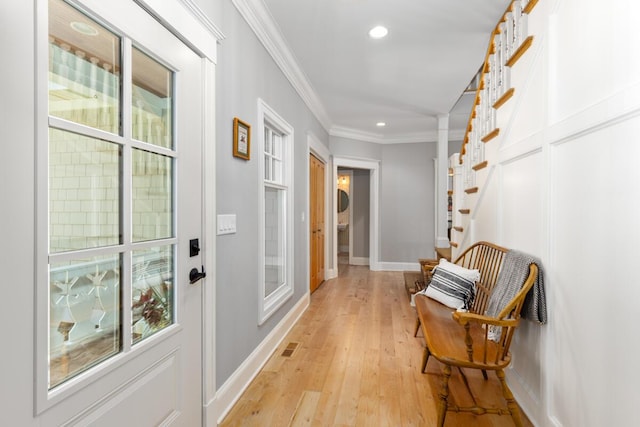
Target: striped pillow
451, 288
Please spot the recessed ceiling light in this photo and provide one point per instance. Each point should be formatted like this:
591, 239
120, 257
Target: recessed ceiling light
83, 28
381, 124
378, 32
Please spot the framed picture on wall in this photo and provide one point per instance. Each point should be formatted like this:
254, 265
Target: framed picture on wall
241, 139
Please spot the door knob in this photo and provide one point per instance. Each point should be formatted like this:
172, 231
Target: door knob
195, 275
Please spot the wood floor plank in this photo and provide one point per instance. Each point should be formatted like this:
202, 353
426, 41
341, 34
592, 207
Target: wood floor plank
358, 364
306, 409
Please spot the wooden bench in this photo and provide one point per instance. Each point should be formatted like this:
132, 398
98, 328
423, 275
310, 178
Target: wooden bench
461, 340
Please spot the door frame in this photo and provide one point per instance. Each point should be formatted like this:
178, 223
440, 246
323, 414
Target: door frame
318, 149
374, 222
190, 25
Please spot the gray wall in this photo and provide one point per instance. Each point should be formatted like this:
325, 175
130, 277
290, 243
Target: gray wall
246, 72
406, 195
454, 147
407, 202
360, 226
344, 147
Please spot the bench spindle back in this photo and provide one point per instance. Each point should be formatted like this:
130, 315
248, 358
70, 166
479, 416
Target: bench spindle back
487, 258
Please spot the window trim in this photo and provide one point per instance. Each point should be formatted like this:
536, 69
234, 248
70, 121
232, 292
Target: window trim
268, 305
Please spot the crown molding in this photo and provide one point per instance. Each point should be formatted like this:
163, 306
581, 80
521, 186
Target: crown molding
195, 10
358, 135
261, 22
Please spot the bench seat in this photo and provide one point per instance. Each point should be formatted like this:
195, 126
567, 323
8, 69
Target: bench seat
460, 339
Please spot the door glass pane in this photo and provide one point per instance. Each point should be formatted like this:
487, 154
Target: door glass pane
152, 293
152, 196
84, 315
84, 69
152, 101
274, 245
84, 192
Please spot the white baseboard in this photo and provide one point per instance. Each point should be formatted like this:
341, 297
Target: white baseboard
229, 393
530, 406
358, 260
399, 266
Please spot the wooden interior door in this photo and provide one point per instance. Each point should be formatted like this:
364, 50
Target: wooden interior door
316, 221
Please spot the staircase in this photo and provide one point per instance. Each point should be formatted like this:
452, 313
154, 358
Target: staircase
472, 168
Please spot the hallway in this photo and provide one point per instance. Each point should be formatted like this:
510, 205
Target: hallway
356, 363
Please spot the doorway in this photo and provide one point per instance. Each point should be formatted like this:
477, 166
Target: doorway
344, 205
369, 171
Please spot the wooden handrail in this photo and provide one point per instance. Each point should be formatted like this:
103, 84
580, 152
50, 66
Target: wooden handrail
485, 68
529, 7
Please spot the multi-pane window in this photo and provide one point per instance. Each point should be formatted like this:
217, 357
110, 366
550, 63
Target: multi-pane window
111, 168
275, 199
277, 260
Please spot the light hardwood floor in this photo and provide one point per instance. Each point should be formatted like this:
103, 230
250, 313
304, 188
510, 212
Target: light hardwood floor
357, 363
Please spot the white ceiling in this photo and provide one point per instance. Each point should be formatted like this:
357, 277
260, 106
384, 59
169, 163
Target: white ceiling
419, 71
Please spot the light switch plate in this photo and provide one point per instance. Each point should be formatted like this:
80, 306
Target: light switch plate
226, 224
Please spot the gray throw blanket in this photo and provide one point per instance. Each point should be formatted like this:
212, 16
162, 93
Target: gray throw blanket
514, 272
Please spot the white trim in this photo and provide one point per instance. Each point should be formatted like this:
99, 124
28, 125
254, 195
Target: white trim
209, 241
399, 266
378, 138
203, 18
186, 21
358, 260
268, 305
374, 188
259, 19
229, 393
526, 400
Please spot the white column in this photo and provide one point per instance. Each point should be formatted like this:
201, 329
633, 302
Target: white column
442, 241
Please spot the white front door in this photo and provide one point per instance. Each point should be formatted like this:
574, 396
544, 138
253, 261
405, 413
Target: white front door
119, 327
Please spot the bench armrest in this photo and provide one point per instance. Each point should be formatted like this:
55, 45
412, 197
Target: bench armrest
464, 318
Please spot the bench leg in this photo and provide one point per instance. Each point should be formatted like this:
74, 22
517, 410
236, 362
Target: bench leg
415, 333
511, 402
425, 359
444, 395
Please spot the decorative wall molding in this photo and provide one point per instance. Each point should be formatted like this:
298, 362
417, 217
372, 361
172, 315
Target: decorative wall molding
257, 16
617, 108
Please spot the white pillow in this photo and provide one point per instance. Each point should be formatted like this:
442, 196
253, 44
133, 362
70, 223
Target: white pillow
473, 275
452, 285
